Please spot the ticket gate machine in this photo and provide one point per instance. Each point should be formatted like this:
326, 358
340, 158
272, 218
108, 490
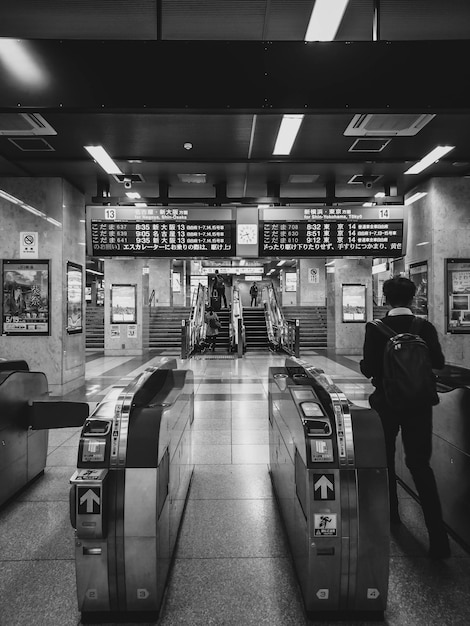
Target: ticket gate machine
128, 494
328, 469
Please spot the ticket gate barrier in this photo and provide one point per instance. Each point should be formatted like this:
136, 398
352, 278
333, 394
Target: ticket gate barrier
26, 415
128, 494
329, 473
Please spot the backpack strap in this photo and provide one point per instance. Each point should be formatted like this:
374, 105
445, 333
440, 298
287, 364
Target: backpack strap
384, 329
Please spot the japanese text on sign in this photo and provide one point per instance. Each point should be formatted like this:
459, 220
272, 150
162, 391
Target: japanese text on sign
332, 237
134, 238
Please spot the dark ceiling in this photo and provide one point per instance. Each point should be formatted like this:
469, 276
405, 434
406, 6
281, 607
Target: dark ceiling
144, 77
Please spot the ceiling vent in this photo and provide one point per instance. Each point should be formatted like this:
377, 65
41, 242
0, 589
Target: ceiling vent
193, 178
387, 124
128, 178
369, 145
32, 144
361, 179
21, 124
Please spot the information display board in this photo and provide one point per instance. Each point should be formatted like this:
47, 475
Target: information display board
328, 231
160, 232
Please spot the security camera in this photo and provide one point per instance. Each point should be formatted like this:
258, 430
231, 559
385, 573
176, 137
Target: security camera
127, 184
367, 181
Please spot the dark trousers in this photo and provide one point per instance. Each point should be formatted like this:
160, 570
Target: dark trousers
416, 434
253, 301
222, 296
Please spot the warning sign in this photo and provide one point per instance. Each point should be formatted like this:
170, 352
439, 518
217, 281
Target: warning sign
325, 524
89, 500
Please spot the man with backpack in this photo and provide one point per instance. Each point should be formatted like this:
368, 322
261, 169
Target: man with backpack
400, 352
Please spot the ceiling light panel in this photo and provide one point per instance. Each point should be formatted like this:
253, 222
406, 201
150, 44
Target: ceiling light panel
290, 125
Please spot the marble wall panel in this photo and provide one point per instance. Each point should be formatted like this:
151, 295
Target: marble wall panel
49, 354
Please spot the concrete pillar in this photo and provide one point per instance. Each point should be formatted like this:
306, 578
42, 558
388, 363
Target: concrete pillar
439, 229
347, 337
60, 355
312, 282
126, 307
160, 280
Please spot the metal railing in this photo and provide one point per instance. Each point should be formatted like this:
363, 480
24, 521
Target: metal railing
193, 330
283, 334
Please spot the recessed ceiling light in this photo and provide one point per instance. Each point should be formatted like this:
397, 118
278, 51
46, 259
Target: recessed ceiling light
325, 20
102, 158
187, 145
429, 159
288, 130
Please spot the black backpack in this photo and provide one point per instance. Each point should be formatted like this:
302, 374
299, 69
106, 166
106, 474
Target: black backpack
214, 322
408, 379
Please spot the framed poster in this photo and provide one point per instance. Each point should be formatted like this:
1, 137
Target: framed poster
74, 298
291, 281
26, 297
418, 273
354, 303
123, 304
458, 295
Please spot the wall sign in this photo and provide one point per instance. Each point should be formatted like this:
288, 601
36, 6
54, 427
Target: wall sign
74, 298
353, 231
159, 232
26, 298
458, 295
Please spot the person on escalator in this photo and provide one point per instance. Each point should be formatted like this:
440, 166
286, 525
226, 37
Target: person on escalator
254, 294
212, 322
218, 286
415, 422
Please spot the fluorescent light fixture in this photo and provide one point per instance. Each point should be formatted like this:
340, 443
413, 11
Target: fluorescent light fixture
133, 194
325, 20
429, 159
281, 263
380, 194
20, 62
288, 130
416, 196
102, 158
80, 243
423, 243
92, 271
369, 204
329, 263
53, 221
141, 204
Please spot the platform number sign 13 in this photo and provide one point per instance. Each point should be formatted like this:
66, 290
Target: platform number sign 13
110, 214
384, 214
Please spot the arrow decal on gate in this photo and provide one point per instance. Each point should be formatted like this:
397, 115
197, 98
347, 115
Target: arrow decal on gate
323, 486
90, 501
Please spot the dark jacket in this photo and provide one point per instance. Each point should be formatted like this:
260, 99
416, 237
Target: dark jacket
374, 345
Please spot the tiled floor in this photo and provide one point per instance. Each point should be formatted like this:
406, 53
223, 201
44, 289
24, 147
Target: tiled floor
232, 564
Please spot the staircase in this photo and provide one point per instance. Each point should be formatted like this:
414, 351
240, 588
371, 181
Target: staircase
165, 327
94, 327
256, 334
312, 321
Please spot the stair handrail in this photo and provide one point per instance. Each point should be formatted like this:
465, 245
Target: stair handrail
273, 315
197, 326
283, 334
237, 338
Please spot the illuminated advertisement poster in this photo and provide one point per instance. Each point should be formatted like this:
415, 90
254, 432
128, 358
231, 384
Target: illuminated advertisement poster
26, 298
354, 303
123, 304
418, 273
458, 295
74, 298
